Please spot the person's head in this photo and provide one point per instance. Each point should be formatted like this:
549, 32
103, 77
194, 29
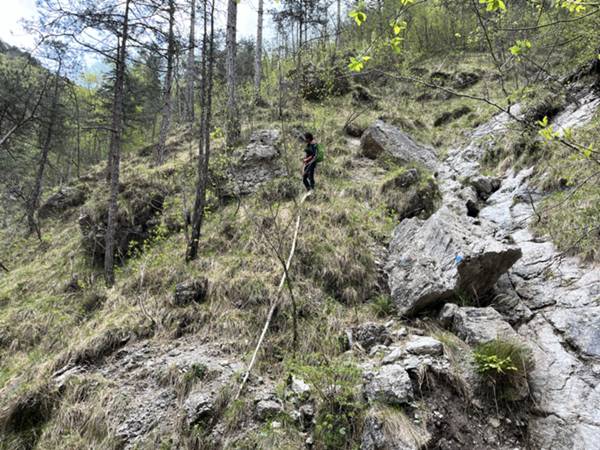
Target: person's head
308, 138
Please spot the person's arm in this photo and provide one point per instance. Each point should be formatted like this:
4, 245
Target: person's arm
313, 154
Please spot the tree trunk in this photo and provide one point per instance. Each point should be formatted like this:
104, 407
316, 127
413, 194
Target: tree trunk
204, 145
34, 200
190, 69
258, 52
233, 123
167, 93
114, 156
338, 25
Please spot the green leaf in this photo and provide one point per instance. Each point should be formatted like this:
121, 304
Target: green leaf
587, 152
494, 5
358, 16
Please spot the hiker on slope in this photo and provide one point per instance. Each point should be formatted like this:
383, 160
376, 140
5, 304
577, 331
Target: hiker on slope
310, 161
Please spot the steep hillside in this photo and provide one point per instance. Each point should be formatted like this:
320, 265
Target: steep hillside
426, 308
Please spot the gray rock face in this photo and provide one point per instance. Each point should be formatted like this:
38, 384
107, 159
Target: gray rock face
431, 261
558, 313
481, 325
382, 138
67, 197
259, 162
391, 385
193, 291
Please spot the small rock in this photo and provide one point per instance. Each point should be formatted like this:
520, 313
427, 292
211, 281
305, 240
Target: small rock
198, 407
446, 315
299, 387
393, 356
390, 385
494, 422
190, 291
275, 425
370, 334
424, 345
267, 408
377, 349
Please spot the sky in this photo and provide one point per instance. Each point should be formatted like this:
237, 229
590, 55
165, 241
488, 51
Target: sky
14, 11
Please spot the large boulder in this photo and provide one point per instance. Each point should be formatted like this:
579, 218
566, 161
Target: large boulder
431, 261
258, 162
382, 138
67, 197
140, 205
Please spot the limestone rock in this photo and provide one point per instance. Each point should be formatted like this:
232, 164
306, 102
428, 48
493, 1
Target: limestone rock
267, 408
198, 408
390, 385
481, 325
258, 162
431, 261
382, 138
424, 345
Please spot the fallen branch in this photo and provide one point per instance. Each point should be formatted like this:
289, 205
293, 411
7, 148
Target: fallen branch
275, 302
3, 267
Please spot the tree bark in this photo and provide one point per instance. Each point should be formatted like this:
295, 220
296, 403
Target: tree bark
190, 69
338, 25
114, 156
167, 92
233, 123
258, 52
204, 145
34, 200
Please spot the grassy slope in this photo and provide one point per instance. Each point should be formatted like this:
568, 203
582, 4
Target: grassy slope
334, 274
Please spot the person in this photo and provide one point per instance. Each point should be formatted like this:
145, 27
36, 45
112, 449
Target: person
310, 162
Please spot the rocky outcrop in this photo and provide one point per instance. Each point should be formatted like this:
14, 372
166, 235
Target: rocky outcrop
382, 138
446, 255
258, 162
548, 296
141, 206
67, 197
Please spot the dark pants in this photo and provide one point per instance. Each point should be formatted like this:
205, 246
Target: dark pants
309, 175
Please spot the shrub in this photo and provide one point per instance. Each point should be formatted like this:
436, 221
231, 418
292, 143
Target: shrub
383, 306
340, 410
504, 365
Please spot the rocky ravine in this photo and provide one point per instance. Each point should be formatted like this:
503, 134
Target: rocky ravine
552, 300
